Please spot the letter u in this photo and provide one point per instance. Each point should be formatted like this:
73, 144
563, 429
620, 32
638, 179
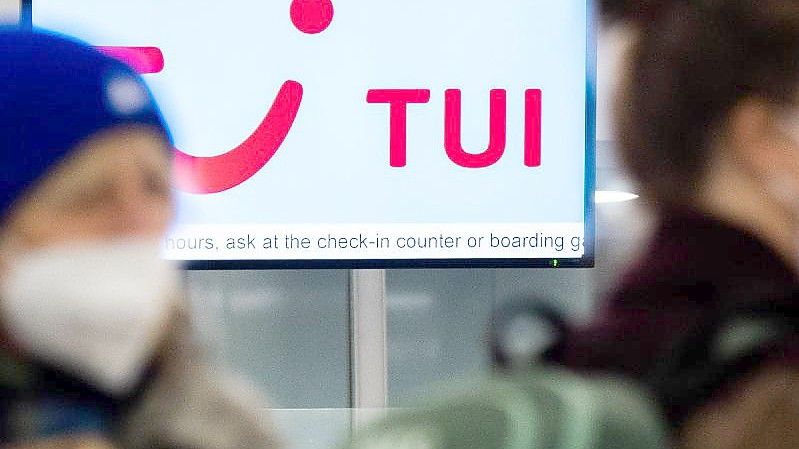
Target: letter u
497, 130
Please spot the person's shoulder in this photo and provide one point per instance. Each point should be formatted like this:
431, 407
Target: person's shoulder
655, 286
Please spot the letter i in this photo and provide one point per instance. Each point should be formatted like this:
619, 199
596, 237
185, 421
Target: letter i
532, 127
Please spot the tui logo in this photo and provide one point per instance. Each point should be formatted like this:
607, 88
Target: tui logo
204, 175
215, 174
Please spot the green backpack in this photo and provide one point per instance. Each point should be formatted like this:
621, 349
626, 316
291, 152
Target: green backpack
546, 408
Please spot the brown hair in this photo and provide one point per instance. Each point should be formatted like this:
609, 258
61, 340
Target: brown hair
693, 62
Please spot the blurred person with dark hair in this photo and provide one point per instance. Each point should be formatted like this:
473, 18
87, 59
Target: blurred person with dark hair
708, 125
95, 347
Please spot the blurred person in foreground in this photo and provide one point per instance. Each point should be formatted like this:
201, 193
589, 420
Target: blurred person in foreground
95, 347
708, 125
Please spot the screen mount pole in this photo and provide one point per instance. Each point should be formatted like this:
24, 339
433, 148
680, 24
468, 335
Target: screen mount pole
369, 353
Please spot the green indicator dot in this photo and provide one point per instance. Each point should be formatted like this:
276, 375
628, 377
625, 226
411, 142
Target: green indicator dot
555, 263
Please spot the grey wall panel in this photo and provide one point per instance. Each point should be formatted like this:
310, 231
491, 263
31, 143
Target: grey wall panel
286, 330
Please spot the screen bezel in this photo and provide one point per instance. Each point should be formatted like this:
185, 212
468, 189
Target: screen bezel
587, 261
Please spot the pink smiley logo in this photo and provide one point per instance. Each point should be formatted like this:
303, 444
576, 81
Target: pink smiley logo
204, 175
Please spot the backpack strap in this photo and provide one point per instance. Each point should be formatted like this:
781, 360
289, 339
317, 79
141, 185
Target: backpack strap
722, 348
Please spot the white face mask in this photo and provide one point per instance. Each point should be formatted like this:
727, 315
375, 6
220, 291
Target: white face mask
97, 311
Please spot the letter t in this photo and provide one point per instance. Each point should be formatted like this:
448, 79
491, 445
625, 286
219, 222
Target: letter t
398, 99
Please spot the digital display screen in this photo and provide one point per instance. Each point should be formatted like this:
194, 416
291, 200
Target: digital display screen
365, 133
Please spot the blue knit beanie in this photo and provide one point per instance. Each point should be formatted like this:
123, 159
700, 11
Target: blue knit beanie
55, 93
